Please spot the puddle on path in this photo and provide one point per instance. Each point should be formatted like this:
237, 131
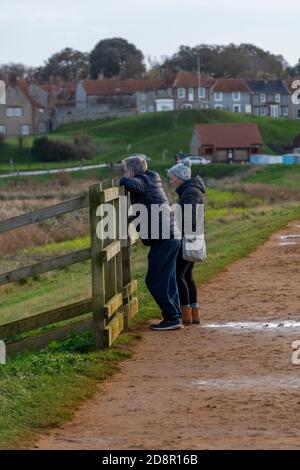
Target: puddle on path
288, 237
287, 243
253, 325
265, 381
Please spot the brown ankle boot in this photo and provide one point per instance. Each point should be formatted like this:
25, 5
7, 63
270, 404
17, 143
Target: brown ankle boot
187, 315
196, 315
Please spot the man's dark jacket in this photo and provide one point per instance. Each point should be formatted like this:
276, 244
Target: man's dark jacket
147, 189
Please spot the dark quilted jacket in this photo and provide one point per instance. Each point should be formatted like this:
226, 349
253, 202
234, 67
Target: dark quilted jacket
147, 189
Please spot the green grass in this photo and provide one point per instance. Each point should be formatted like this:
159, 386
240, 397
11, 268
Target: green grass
150, 133
38, 390
280, 175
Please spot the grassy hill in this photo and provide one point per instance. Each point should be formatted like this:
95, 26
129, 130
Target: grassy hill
150, 134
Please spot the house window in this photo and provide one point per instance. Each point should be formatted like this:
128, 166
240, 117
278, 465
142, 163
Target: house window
14, 112
218, 106
285, 111
187, 106
181, 92
236, 108
2, 129
25, 129
298, 114
263, 98
277, 98
204, 106
218, 96
263, 111
143, 109
201, 92
143, 97
42, 127
236, 96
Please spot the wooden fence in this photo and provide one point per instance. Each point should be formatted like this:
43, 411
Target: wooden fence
113, 303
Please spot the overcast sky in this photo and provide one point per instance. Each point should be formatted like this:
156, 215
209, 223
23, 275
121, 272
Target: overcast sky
32, 30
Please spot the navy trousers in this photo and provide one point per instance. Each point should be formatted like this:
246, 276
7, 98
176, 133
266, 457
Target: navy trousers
161, 277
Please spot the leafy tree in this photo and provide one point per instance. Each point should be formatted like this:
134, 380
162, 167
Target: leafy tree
68, 64
116, 56
294, 71
245, 60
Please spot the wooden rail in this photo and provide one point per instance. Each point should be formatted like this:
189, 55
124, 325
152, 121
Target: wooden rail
113, 303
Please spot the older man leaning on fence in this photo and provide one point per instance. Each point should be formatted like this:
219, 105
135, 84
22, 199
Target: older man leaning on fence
146, 190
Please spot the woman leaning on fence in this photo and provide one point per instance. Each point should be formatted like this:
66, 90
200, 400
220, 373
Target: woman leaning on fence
190, 191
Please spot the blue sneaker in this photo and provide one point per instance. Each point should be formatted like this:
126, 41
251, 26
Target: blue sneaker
167, 325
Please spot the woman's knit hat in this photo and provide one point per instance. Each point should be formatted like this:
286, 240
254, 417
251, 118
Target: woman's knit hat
182, 170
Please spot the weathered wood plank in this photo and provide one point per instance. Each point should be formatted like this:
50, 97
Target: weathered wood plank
130, 310
112, 306
35, 343
111, 251
45, 266
113, 330
98, 270
110, 194
44, 213
130, 289
46, 318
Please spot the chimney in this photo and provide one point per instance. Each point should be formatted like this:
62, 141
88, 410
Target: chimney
12, 80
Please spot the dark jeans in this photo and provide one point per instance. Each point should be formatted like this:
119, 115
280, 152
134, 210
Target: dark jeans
161, 277
186, 284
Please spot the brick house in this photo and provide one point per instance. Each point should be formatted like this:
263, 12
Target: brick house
154, 96
59, 98
225, 142
192, 91
231, 95
269, 98
22, 115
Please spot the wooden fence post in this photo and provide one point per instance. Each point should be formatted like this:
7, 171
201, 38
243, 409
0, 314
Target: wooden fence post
130, 303
98, 270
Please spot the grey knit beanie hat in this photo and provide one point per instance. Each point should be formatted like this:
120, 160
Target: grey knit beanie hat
182, 170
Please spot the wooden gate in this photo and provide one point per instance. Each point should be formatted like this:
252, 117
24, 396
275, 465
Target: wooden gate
113, 301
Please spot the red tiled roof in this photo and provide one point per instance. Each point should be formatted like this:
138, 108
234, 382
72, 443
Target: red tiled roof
191, 79
229, 135
61, 93
115, 86
230, 85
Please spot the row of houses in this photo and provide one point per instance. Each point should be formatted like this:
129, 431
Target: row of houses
37, 108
